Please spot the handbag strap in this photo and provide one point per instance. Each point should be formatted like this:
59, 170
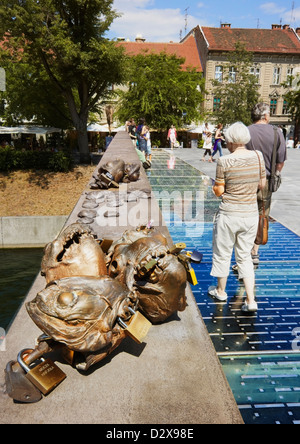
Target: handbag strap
274, 156
261, 183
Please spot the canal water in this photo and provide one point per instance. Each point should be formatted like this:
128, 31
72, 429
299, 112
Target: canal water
18, 269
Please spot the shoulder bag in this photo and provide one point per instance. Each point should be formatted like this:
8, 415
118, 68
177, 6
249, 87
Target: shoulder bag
275, 178
262, 236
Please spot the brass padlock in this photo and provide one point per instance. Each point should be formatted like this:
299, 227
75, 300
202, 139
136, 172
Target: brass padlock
148, 267
177, 248
138, 326
45, 376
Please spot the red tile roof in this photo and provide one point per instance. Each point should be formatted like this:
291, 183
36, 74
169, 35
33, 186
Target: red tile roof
187, 49
275, 41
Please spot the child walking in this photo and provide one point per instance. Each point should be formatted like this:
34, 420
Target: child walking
208, 147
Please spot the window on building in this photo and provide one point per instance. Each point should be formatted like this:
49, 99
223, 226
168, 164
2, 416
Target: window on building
217, 104
255, 72
285, 108
290, 73
273, 106
276, 76
232, 75
219, 74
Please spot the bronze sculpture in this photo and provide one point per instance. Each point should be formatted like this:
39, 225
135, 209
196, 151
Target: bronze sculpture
82, 313
142, 261
114, 172
91, 300
75, 252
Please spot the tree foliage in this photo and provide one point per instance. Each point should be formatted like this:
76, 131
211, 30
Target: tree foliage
292, 97
238, 91
65, 39
161, 91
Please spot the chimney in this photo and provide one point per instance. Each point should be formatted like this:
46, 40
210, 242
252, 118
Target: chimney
139, 39
286, 26
225, 25
298, 31
276, 26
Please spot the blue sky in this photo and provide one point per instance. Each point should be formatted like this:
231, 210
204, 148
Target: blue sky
162, 20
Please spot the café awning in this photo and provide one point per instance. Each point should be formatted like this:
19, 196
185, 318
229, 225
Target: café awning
24, 129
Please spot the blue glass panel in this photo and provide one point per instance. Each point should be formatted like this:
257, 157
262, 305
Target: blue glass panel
260, 352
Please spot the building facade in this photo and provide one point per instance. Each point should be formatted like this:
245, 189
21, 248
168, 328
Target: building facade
276, 57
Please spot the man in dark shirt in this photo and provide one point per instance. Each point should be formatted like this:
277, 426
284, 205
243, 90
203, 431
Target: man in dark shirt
262, 139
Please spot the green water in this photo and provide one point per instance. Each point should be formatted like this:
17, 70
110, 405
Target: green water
18, 269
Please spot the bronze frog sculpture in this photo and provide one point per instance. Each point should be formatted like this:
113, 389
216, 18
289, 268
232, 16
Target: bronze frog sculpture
82, 313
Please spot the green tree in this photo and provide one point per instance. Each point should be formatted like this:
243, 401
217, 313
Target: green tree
237, 88
293, 99
66, 38
30, 95
161, 91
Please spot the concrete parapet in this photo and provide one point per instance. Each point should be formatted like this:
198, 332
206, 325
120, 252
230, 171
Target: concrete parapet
29, 231
173, 378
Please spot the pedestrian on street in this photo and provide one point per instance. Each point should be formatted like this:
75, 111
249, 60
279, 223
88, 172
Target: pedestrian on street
238, 177
207, 146
262, 139
172, 136
218, 141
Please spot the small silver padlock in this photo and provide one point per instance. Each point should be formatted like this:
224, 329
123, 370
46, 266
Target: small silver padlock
45, 376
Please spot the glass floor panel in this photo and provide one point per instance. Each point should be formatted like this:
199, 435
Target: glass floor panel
259, 353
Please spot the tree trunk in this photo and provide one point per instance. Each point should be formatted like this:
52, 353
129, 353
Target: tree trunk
297, 131
80, 121
83, 145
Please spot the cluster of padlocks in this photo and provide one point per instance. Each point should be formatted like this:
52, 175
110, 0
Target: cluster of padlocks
98, 292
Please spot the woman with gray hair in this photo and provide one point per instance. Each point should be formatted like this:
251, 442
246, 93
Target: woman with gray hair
238, 177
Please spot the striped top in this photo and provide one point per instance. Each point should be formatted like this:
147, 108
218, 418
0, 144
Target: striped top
239, 173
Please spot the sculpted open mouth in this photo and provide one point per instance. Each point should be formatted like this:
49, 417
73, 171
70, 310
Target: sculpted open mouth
72, 239
75, 252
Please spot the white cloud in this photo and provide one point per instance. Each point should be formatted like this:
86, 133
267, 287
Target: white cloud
292, 17
156, 25
272, 8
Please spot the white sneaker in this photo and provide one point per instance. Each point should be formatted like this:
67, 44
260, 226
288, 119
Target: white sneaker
250, 308
212, 291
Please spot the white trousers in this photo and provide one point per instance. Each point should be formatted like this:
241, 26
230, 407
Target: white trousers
238, 233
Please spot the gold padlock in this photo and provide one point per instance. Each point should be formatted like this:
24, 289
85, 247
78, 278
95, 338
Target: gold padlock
138, 326
148, 267
45, 376
177, 248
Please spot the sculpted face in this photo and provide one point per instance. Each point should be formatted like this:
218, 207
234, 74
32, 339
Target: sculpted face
161, 289
81, 305
75, 252
82, 313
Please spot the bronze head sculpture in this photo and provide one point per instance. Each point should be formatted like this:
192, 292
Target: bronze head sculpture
82, 307
141, 260
82, 313
75, 252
